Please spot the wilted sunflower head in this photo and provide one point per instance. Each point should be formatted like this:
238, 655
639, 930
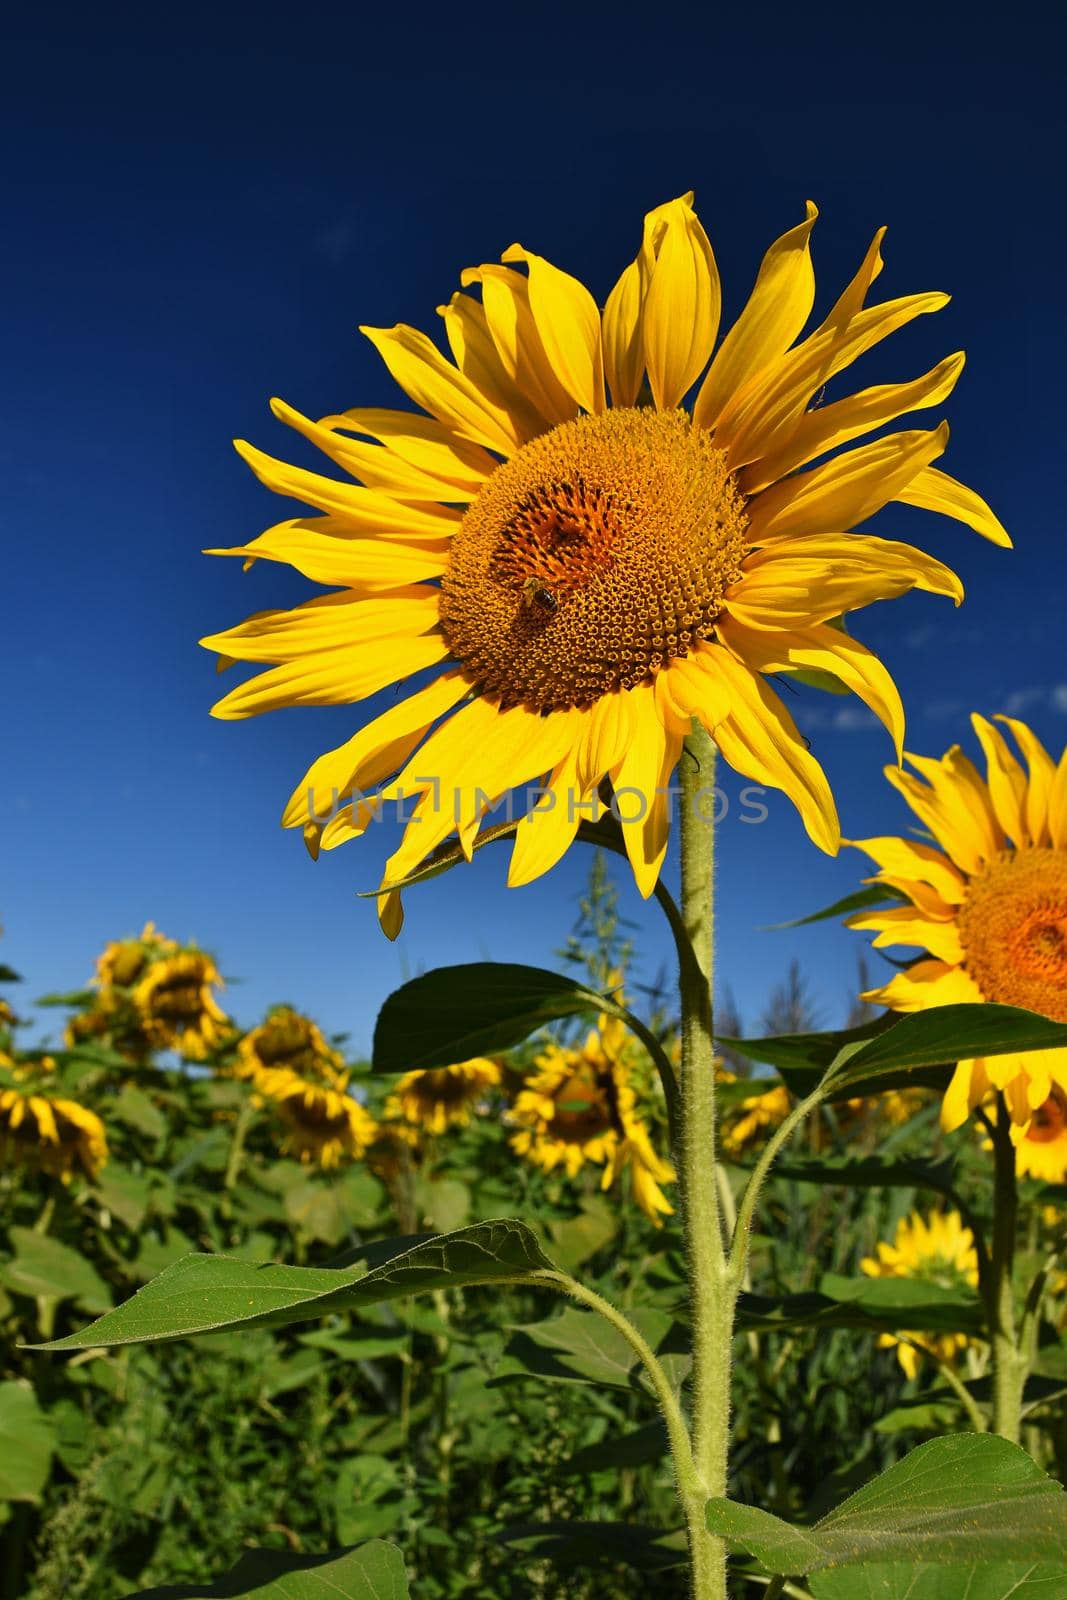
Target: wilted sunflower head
937, 1249
177, 1007
124, 961
600, 524
989, 906
578, 1107
290, 1040
43, 1130
437, 1098
324, 1125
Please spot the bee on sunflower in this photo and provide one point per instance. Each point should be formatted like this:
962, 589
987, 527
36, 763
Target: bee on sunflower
987, 904
288, 1039
435, 1099
43, 1130
937, 1249
580, 564
579, 1107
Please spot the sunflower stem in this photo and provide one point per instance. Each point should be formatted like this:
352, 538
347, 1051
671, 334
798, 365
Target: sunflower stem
712, 1295
1009, 1361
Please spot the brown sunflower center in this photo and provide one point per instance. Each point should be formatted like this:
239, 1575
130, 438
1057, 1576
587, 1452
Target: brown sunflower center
582, 1111
286, 1041
596, 554
439, 1087
1013, 926
1049, 1121
178, 999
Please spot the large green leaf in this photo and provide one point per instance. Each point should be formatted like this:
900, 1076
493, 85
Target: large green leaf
208, 1294
581, 1347
965, 1499
975, 1580
631, 1449
373, 1572
43, 1268
27, 1440
944, 1034
589, 1544
880, 1305
871, 1173
453, 1013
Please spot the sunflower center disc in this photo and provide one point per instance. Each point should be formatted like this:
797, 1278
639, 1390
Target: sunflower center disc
1013, 926
1049, 1120
596, 554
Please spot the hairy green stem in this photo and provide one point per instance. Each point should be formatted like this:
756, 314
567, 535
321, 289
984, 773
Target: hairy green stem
711, 1295
1009, 1360
749, 1200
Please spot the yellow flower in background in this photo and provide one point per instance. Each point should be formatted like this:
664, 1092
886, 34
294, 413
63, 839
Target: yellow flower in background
753, 1118
437, 1098
324, 1125
579, 1107
8, 1018
938, 1250
582, 566
125, 960
989, 906
176, 1005
288, 1039
46, 1131
1042, 1150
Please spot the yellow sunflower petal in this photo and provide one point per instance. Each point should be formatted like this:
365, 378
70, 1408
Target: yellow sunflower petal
802, 582
823, 649
375, 465
958, 784
640, 781
510, 320
322, 550
331, 621
569, 325
1039, 783
1006, 779
441, 389
1057, 806
907, 858
423, 442
682, 304
355, 508
904, 925
933, 490
777, 309
333, 678
926, 983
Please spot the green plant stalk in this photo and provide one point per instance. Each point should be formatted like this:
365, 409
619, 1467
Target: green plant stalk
1010, 1361
711, 1295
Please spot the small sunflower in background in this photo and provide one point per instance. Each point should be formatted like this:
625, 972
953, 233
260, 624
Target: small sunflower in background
323, 1124
176, 1003
937, 1250
8, 1018
1042, 1150
437, 1098
756, 1116
288, 1039
579, 1107
122, 962
42, 1129
581, 564
989, 906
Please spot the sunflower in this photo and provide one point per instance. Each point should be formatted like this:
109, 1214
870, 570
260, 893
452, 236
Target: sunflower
937, 1250
122, 962
989, 907
8, 1018
754, 1117
578, 1106
177, 1007
437, 1098
581, 564
45, 1131
1042, 1150
288, 1039
324, 1124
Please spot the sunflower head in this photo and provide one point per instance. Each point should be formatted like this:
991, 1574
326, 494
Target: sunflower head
291, 1041
937, 1249
1041, 1151
44, 1131
324, 1126
176, 1004
986, 904
755, 1117
599, 524
124, 961
434, 1099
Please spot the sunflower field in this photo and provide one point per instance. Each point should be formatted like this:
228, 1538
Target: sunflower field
574, 1286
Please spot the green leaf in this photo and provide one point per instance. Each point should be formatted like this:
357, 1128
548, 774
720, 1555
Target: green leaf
127, 1195
977, 1580
27, 1440
44, 1268
876, 894
590, 1544
944, 1034
133, 1107
965, 1499
453, 1013
880, 1305
207, 1294
581, 1347
632, 1449
373, 1572
871, 1173
8, 974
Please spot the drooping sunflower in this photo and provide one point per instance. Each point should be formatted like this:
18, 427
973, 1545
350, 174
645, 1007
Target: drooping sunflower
437, 1098
584, 565
324, 1124
579, 1106
1042, 1150
989, 907
46, 1131
938, 1250
123, 961
288, 1039
177, 1006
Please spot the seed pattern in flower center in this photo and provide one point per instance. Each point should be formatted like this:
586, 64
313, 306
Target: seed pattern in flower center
598, 553
1013, 927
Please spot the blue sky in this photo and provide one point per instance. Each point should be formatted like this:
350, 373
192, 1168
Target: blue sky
206, 204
